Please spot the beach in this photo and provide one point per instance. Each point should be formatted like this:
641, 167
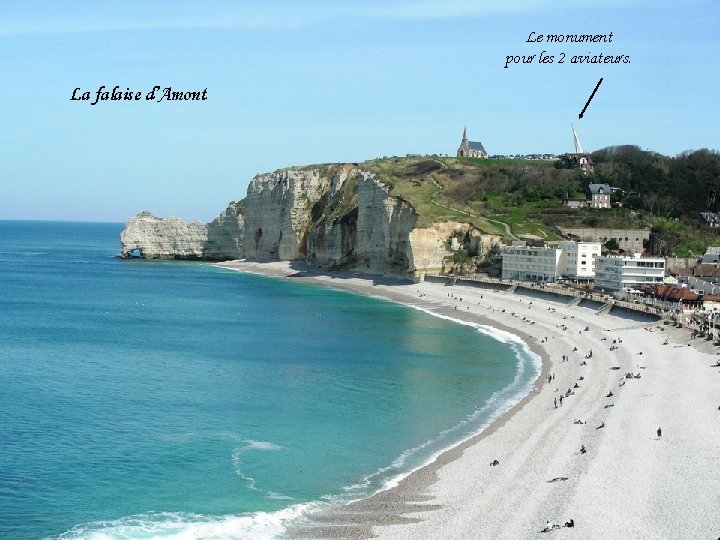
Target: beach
645, 412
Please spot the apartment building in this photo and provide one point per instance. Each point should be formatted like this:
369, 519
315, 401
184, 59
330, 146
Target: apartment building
531, 263
577, 260
615, 273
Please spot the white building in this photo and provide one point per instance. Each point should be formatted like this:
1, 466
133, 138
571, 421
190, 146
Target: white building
615, 273
599, 195
530, 263
575, 260
578, 259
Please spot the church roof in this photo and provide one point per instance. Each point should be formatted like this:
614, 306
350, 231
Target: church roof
472, 145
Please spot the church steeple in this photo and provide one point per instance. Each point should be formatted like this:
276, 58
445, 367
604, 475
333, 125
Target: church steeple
470, 148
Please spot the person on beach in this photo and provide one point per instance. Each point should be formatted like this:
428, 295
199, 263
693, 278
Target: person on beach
659, 432
583, 449
561, 398
570, 523
555, 401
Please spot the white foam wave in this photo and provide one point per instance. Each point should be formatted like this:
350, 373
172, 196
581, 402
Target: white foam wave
237, 458
278, 496
184, 526
262, 445
502, 336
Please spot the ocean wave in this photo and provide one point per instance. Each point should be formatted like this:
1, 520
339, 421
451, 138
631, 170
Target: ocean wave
186, 526
262, 445
502, 336
278, 496
251, 445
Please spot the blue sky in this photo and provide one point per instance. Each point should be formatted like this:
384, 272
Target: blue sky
300, 82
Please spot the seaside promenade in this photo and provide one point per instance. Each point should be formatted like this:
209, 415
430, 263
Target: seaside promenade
605, 302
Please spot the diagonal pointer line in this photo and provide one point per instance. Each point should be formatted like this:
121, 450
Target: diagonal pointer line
590, 98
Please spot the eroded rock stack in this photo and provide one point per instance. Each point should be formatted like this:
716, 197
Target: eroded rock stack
151, 237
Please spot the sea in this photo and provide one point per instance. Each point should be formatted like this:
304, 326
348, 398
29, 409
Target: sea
166, 399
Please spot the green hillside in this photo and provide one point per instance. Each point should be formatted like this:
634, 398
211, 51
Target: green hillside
523, 198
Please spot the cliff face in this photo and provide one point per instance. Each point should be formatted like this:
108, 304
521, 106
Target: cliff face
360, 226
430, 245
172, 238
383, 227
336, 217
225, 235
277, 213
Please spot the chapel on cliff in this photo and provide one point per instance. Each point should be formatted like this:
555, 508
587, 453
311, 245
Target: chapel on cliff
470, 148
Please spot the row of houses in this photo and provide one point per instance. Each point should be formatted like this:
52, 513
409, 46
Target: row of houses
580, 261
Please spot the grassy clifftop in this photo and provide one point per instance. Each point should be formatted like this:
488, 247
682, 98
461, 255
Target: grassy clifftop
477, 191
523, 198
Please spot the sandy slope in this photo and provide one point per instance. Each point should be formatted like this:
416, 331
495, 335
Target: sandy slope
629, 484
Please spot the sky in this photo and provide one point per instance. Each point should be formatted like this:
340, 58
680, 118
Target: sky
295, 82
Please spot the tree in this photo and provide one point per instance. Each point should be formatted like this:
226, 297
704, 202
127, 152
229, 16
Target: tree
612, 245
461, 261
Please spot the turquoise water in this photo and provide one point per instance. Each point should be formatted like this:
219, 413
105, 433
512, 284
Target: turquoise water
145, 399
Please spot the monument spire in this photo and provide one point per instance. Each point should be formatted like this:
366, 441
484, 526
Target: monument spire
578, 148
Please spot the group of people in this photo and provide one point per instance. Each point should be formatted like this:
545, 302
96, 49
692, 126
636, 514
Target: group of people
550, 526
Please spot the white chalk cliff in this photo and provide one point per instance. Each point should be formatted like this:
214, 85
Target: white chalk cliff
172, 238
336, 217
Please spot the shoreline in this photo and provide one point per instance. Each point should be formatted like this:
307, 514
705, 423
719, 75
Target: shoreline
391, 503
460, 495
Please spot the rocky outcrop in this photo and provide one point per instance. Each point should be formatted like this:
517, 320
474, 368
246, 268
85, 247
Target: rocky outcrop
151, 237
225, 235
335, 216
430, 246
